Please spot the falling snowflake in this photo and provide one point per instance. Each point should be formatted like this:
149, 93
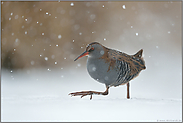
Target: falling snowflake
124, 7
59, 36
72, 4
79, 65
16, 16
32, 62
46, 58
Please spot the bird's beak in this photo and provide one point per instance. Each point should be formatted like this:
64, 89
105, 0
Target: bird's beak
85, 53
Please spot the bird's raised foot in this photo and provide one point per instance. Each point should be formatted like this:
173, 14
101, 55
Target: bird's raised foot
85, 93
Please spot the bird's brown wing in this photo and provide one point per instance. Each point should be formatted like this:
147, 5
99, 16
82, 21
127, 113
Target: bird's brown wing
129, 66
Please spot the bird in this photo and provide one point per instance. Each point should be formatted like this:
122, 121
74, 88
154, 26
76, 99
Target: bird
110, 67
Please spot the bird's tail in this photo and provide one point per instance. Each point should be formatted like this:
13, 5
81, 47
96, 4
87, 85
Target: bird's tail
139, 55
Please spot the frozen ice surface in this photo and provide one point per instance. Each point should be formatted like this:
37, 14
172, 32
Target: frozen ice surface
42, 95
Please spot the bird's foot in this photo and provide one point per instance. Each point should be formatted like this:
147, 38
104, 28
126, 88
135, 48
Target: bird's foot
85, 93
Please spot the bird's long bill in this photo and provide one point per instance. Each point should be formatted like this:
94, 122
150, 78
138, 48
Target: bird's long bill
85, 53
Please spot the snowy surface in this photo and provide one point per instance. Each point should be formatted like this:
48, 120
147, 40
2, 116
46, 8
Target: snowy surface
42, 95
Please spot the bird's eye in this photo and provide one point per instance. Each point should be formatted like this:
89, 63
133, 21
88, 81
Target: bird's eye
92, 48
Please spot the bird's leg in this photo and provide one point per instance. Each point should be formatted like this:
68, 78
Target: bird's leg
128, 91
85, 93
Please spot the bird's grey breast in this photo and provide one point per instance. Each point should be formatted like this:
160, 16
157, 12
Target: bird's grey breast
98, 70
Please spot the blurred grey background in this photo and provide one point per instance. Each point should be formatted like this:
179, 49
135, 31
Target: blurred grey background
53, 34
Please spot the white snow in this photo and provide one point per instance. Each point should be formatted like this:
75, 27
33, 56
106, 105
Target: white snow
32, 62
124, 7
72, 4
46, 58
40, 95
59, 36
92, 16
16, 16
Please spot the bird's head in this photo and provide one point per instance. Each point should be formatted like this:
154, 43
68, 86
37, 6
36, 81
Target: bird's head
93, 49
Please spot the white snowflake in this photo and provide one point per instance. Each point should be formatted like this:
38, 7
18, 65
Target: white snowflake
124, 7
72, 4
59, 36
46, 58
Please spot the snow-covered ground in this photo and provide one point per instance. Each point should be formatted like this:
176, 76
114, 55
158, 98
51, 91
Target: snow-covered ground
42, 95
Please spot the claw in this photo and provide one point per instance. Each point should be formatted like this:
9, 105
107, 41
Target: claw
82, 94
91, 97
85, 93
